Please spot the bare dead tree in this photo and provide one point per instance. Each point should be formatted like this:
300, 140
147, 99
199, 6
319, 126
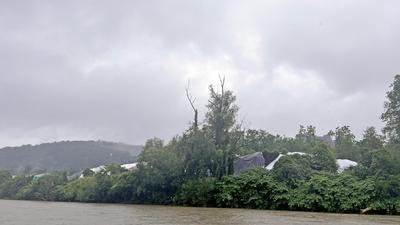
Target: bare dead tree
222, 83
191, 102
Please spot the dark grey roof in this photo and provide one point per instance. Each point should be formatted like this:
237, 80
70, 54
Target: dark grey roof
248, 161
269, 157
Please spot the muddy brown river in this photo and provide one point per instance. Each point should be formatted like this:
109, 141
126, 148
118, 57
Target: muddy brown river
55, 213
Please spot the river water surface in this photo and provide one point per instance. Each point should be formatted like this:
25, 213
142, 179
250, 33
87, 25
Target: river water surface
54, 213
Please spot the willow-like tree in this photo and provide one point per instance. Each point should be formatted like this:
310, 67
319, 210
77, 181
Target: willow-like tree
220, 123
391, 115
221, 114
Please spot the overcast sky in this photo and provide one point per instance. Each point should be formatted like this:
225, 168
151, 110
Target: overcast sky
117, 70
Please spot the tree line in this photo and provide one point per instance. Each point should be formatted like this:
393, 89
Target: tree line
196, 167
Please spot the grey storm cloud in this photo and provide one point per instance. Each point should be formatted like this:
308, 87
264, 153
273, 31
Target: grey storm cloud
117, 70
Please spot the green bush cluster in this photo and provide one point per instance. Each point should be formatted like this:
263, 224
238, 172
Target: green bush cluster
294, 184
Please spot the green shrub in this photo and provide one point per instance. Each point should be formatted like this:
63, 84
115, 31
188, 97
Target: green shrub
198, 192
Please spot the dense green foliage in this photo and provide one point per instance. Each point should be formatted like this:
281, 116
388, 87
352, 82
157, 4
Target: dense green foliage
252, 189
198, 192
196, 169
391, 115
256, 188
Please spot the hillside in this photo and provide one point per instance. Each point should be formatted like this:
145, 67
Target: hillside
66, 155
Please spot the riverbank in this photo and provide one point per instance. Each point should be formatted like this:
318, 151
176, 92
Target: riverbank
253, 189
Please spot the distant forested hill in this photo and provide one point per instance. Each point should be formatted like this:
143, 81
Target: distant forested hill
66, 155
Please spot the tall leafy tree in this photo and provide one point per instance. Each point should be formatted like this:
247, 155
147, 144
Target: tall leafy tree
150, 146
221, 114
370, 146
221, 123
305, 139
391, 115
198, 154
323, 158
371, 139
306, 134
258, 141
158, 174
345, 144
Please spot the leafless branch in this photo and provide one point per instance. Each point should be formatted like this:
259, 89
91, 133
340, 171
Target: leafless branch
222, 83
191, 102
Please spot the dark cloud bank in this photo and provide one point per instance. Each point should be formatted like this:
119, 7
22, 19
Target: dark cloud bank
117, 70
